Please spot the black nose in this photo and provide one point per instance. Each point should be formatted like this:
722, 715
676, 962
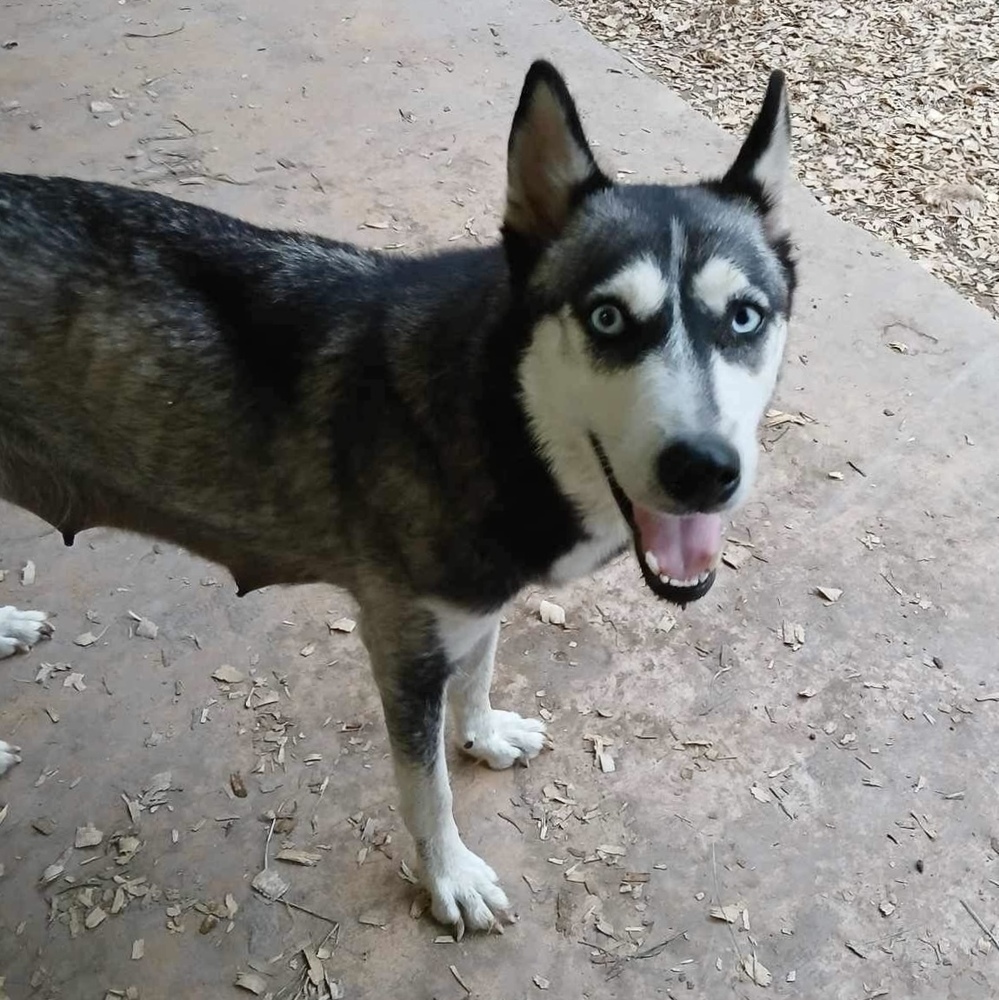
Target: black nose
700, 473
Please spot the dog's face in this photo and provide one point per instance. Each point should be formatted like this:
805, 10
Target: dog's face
660, 316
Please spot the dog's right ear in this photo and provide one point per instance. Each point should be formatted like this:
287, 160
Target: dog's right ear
550, 168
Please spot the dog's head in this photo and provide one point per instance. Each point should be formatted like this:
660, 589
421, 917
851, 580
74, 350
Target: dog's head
659, 316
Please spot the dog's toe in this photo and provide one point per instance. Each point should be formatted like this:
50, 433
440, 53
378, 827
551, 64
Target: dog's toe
465, 892
9, 756
504, 738
20, 630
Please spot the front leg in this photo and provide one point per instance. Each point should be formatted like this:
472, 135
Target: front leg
19, 631
411, 668
494, 736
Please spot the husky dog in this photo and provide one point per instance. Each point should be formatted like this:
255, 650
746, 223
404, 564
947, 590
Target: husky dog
430, 433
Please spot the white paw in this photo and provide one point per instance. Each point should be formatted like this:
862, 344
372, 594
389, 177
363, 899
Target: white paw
20, 630
9, 756
464, 891
503, 738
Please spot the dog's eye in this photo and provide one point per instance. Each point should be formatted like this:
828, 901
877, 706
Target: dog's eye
746, 319
607, 320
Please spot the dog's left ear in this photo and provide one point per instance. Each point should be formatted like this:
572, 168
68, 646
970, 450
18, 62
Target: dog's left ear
763, 166
550, 168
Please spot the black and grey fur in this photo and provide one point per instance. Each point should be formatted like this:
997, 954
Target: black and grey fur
430, 433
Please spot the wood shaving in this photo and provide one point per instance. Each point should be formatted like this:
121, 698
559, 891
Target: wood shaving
895, 129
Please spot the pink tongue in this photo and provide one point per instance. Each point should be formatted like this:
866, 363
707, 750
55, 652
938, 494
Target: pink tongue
685, 546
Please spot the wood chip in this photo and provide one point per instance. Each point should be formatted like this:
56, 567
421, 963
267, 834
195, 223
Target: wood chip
95, 918
829, 594
227, 674
87, 836
138, 949
28, 574
297, 857
541, 982
793, 634
736, 556
757, 971
75, 681
145, 628
729, 914
269, 884
461, 982
346, 625
252, 982
551, 613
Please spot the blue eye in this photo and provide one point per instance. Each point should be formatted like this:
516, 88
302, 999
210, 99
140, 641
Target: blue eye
746, 319
607, 320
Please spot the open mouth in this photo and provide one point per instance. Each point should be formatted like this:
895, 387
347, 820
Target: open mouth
677, 552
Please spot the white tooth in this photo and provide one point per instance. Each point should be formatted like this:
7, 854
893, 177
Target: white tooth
652, 562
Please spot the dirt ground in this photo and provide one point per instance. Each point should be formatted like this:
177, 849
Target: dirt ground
803, 794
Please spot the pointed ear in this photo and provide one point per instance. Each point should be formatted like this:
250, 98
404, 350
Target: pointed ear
763, 166
549, 164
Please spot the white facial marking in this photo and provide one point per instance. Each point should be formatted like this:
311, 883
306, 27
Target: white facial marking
640, 285
742, 395
718, 283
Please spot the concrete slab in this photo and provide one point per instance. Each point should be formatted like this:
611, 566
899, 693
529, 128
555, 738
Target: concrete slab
875, 809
